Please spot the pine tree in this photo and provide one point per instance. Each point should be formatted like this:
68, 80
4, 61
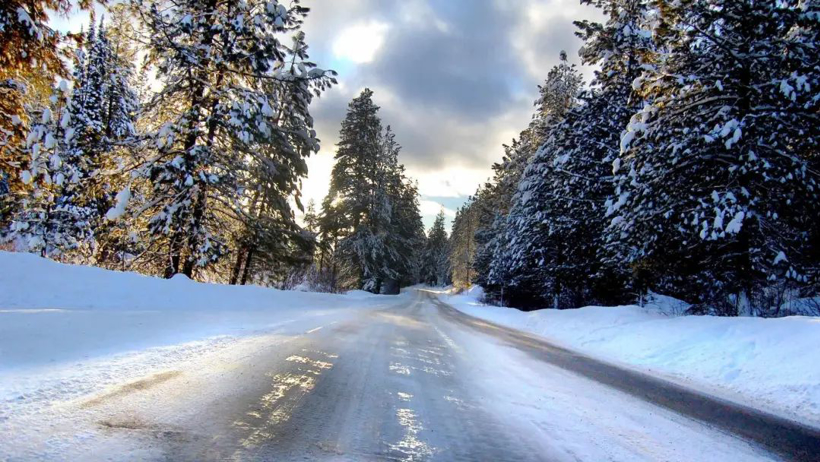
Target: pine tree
559, 225
371, 210
463, 245
38, 223
311, 218
30, 60
270, 241
78, 195
405, 237
231, 91
436, 267
355, 184
506, 256
717, 180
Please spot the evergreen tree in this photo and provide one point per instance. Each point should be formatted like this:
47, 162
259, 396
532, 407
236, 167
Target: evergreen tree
268, 239
371, 210
557, 225
406, 236
30, 59
80, 145
436, 267
311, 218
463, 245
717, 181
231, 91
500, 263
38, 225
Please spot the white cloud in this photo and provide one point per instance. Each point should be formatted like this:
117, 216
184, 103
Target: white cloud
360, 43
428, 207
421, 14
450, 181
545, 29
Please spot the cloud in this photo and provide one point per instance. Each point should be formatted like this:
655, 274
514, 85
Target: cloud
360, 43
455, 79
433, 208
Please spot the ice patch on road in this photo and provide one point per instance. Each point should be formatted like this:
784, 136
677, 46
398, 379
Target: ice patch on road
399, 369
287, 391
411, 447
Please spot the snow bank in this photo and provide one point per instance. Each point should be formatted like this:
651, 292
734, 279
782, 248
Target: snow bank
766, 363
52, 313
68, 331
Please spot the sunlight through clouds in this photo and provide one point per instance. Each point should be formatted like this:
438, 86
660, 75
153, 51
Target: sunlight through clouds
360, 43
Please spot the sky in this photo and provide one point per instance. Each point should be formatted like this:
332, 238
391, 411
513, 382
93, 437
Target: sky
455, 79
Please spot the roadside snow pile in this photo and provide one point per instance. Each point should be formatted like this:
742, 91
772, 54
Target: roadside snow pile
52, 312
767, 363
68, 330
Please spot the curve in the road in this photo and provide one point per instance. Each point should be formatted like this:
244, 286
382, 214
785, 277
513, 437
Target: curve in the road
787, 438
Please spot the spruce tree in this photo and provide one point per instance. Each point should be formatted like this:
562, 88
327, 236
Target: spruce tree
717, 181
80, 148
463, 245
508, 258
38, 223
570, 177
31, 59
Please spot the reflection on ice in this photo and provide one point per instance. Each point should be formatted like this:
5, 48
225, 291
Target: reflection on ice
287, 390
410, 447
303, 360
399, 369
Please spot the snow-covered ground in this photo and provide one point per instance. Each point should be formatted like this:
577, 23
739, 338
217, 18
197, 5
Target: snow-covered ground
766, 363
103, 365
67, 331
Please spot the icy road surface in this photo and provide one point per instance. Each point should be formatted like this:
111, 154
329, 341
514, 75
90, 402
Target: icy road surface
415, 381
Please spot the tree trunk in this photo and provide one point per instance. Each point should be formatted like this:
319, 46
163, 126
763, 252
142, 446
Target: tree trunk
237, 267
247, 270
193, 239
197, 101
174, 250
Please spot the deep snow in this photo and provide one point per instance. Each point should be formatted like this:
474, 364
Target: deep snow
70, 330
53, 313
766, 363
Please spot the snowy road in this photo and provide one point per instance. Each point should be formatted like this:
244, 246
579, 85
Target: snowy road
416, 381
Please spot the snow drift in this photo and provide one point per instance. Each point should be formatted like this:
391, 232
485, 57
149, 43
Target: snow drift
765, 363
67, 331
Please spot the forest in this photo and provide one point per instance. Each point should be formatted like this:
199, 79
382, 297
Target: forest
172, 139
688, 166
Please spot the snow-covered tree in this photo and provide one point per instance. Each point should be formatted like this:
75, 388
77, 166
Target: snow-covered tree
463, 244
311, 218
31, 57
497, 261
559, 218
233, 100
406, 236
98, 115
268, 238
435, 263
371, 209
39, 223
716, 196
